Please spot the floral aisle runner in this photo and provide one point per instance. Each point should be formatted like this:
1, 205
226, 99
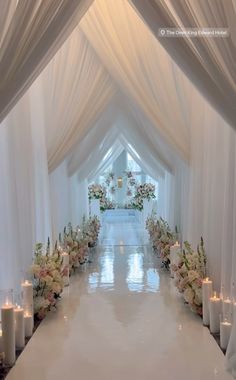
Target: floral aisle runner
190, 268
49, 269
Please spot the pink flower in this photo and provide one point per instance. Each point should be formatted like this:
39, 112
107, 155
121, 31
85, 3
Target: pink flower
43, 272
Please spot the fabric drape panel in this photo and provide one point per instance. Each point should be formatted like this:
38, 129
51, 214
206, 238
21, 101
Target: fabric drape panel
8, 224
208, 62
140, 66
115, 124
42, 216
211, 207
113, 153
101, 157
60, 200
94, 139
24, 200
69, 199
75, 95
31, 33
83, 200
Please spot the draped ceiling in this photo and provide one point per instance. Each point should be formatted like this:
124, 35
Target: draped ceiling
74, 94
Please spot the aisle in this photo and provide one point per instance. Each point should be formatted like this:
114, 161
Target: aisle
121, 319
122, 227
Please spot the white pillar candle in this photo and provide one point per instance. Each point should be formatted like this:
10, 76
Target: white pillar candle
19, 327
28, 321
206, 295
27, 298
8, 334
226, 306
65, 268
215, 308
225, 330
27, 295
174, 255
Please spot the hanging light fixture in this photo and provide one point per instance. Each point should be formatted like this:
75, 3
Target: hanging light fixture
119, 182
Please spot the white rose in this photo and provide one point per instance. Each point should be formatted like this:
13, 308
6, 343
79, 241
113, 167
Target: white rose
198, 297
189, 295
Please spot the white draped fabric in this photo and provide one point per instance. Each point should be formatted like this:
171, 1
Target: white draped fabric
120, 90
208, 62
140, 66
30, 34
25, 213
75, 95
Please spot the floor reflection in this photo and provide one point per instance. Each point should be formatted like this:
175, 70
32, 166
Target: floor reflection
126, 269
107, 271
136, 273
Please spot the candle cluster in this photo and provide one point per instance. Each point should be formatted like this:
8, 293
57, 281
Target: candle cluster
50, 273
216, 312
16, 322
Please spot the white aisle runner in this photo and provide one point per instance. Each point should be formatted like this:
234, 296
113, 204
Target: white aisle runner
121, 318
123, 227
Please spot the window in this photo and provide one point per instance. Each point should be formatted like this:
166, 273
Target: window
132, 165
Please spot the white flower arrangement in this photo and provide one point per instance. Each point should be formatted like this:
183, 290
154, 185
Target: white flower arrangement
144, 191
96, 191
75, 244
90, 230
189, 274
161, 236
47, 279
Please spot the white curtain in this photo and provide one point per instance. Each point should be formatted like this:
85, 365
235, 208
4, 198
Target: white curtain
75, 95
60, 200
94, 141
24, 192
141, 67
132, 129
30, 34
208, 62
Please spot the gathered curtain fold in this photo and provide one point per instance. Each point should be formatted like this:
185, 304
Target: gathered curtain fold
141, 67
210, 63
30, 34
75, 96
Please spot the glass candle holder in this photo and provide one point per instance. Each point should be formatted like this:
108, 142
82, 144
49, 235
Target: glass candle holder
6, 297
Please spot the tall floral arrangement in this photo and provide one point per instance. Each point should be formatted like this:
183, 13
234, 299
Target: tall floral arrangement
144, 191
96, 191
161, 236
76, 244
90, 230
109, 178
189, 274
48, 276
106, 204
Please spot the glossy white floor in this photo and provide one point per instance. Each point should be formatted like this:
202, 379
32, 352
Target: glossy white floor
121, 318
